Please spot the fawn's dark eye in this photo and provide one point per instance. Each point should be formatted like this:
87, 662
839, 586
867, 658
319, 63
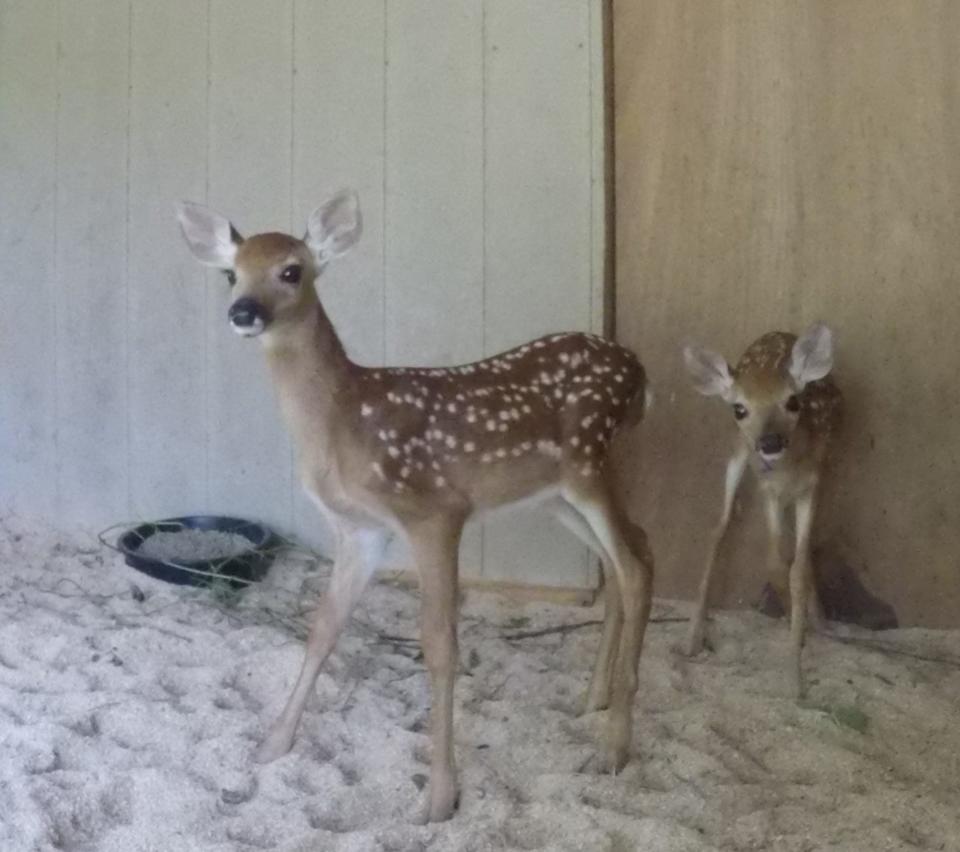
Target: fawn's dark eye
739, 411
231, 276
792, 403
291, 274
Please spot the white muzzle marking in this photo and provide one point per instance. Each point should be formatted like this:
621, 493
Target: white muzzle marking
770, 459
252, 330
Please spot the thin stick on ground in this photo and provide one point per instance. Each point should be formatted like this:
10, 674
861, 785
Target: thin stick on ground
892, 650
390, 639
579, 625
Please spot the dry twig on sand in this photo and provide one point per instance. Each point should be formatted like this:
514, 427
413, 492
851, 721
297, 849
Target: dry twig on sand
894, 651
567, 628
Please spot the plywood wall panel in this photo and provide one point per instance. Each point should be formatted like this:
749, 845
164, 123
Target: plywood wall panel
780, 163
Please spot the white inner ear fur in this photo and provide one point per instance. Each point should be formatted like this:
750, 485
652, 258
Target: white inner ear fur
334, 227
812, 355
208, 234
709, 371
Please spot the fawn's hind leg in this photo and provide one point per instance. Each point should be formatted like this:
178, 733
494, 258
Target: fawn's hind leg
598, 693
594, 501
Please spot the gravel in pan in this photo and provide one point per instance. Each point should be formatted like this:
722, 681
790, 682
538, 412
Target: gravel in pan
192, 545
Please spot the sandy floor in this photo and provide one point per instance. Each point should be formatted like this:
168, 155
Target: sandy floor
128, 725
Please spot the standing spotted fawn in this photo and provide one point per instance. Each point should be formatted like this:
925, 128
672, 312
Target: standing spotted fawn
788, 409
416, 451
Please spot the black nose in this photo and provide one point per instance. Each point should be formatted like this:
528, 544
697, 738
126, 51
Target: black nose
244, 312
771, 443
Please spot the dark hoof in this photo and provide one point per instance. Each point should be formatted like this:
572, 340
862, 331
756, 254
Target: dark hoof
770, 604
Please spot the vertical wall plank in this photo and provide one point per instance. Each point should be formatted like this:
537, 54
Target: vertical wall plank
538, 225
249, 453
91, 256
28, 103
168, 142
434, 237
601, 289
338, 136
434, 247
538, 190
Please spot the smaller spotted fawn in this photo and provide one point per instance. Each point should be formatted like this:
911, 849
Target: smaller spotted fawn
787, 408
416, 451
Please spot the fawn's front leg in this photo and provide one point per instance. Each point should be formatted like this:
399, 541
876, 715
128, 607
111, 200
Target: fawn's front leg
777, 568
358, 553
731, 482
801, 585
435, 544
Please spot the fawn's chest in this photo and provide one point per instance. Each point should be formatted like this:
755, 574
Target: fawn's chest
787, 481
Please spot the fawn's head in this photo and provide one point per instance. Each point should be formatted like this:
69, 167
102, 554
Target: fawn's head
271, 274
765, 389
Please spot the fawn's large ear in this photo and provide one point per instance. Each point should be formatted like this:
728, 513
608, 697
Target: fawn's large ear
710, 372
812, 355
334, 227
212, 239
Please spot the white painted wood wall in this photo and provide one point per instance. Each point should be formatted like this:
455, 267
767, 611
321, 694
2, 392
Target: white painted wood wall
472, 130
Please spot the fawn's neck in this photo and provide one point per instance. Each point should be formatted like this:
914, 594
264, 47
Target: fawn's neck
310, 371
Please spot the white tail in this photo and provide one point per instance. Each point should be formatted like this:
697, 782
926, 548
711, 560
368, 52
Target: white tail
787, 408
416, 451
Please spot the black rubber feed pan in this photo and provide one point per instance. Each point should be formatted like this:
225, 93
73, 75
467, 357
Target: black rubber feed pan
238, 568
